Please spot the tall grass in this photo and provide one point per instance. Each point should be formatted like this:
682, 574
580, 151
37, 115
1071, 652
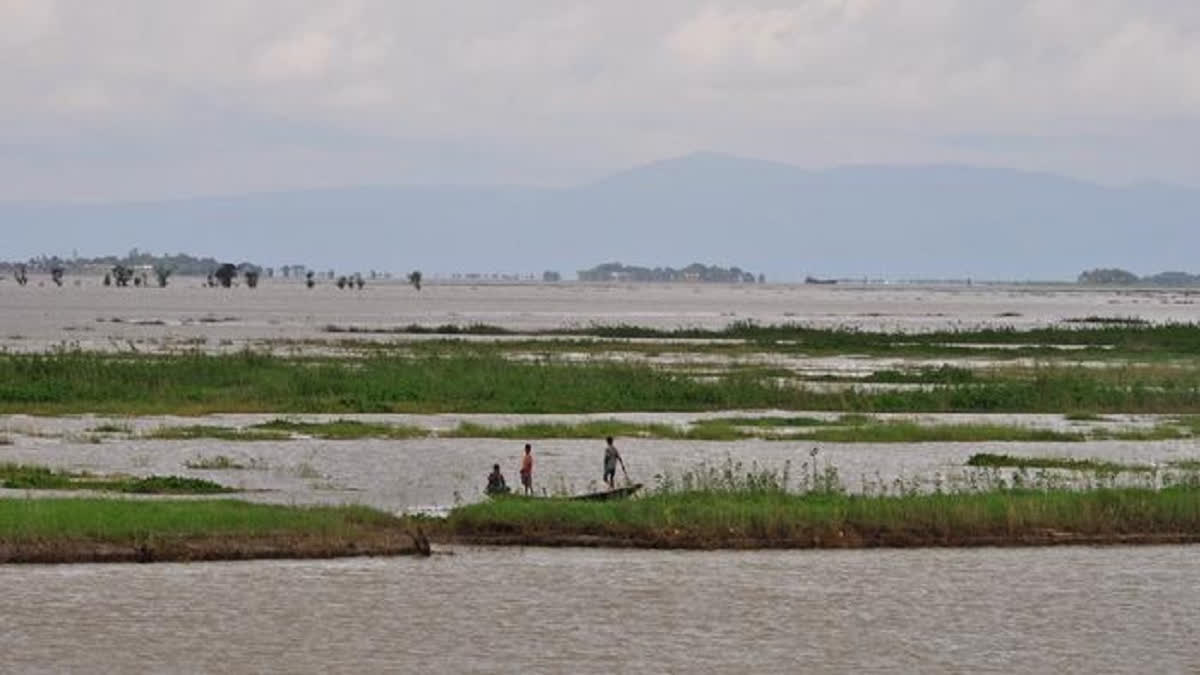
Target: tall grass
774, 518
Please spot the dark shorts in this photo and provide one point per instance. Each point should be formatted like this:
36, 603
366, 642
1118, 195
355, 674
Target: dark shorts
609, 473
527, 479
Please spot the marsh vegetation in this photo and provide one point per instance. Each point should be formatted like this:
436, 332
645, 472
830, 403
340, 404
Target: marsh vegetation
733, 506
104, 530
33, 477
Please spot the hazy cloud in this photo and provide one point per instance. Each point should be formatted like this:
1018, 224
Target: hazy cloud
553, 91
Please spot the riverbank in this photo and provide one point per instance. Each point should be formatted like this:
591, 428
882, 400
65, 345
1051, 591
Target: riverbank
117, 530
775, 519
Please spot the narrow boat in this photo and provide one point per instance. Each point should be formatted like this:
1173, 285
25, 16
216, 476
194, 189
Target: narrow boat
603, 495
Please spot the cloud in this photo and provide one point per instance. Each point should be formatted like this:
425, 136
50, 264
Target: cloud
23, 22
587, 86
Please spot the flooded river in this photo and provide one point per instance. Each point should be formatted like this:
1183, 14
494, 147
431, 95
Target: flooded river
573, 610
185, 315
404, 475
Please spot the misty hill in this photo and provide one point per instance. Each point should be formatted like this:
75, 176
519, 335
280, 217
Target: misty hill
938, 221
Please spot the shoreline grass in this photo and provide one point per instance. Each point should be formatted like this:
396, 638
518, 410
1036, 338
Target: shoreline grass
775, 519
116, 530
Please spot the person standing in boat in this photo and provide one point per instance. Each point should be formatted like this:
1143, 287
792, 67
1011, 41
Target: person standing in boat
527, 469
611, 459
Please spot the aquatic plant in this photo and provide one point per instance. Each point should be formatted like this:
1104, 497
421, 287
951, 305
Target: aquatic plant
223, 462
33, 477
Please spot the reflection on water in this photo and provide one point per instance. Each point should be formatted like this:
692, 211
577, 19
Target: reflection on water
532, 610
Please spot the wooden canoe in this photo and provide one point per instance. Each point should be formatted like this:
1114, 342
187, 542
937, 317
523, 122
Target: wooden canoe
603, 495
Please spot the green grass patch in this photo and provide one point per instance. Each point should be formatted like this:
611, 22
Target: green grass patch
911, 432
597, 429
119, 520
31, 477
481, 378
219, 433
1159, 432
769, 422
776, 518
342, 429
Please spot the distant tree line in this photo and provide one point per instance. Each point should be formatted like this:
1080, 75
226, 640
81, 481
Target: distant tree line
180, 263
1117, 276
615, 271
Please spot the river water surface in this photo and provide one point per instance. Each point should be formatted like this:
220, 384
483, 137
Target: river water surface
1071, 609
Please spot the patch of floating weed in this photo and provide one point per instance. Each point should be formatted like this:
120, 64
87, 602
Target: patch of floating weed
769, 421
33, 477
111, 428
1109, 320
1017, 462
1161, 432
1084, 416
222, 463
308, 471
911, 432
218, 433
342, 429
591, 429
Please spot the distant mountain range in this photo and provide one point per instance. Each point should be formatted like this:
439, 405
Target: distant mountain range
877, 221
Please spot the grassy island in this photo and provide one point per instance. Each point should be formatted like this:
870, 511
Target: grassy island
715, 520
119, 530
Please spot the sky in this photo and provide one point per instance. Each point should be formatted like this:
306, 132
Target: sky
152, 99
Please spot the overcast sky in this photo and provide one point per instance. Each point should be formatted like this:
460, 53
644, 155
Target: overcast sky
119, 99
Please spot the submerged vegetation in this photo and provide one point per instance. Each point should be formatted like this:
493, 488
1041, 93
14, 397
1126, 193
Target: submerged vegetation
31, 477
341, 429
985, 459
216, 432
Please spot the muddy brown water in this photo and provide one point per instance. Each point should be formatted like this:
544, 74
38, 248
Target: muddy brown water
1071, 609
184, 314
441, 472
529, 610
